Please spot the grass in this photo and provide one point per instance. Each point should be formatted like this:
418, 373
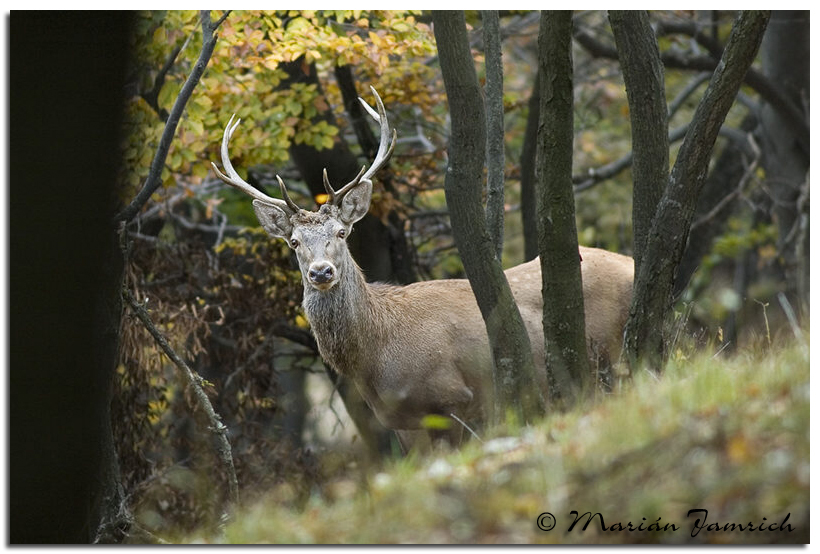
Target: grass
728, 435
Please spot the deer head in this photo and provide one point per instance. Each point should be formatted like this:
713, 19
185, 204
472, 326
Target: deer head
317, 237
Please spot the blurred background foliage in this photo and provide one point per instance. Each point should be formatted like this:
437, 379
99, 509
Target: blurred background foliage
228, 297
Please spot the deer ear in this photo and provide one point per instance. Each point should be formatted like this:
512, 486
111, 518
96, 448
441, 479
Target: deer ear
273, 219
356, 202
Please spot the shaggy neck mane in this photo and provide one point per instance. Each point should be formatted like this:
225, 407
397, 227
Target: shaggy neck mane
343, 320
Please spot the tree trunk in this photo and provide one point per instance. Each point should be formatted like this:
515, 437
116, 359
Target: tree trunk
495, 130
513, 373
65, 273
643, 76
564, 326
786, 61
651, 301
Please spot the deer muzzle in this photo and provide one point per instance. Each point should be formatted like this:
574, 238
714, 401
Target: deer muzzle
322, 275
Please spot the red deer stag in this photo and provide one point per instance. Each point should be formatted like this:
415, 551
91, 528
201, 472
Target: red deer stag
422, 348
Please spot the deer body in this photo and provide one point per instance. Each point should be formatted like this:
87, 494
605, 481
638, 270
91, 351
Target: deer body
422, 348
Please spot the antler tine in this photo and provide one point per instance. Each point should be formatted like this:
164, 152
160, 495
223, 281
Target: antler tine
331, 194
386, 146
335, 197
291, 204
232, 178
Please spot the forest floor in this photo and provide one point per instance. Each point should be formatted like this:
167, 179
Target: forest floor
715, 450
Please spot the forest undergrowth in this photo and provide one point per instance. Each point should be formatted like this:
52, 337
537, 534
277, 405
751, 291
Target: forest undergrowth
714, 450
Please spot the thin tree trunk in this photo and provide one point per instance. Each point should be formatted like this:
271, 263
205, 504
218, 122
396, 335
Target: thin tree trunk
513, 373
786, 61
495, 130
643, 76
564, 326
651, 301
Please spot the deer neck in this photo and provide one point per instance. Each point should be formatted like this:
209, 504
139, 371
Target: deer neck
343, 321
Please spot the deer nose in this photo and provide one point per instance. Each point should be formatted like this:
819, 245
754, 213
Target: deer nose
321, 273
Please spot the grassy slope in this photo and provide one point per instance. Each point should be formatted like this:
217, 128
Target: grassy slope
730, 436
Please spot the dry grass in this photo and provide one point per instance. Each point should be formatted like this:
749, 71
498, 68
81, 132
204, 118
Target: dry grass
729, 435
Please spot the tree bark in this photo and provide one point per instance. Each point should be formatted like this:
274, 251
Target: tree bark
643, 76
513, 373
495, 129
564, 326
651, 301
786, 60
66, 104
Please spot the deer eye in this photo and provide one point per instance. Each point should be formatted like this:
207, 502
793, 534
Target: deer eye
294, 243
341, 233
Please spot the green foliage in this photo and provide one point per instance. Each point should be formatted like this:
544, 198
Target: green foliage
245, 75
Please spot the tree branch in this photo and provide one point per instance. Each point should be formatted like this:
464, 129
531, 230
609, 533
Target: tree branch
726, 200
153, 182
195, 382
756, 80
152, 96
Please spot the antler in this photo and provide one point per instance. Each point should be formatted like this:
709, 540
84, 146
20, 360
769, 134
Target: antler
236, 181
385, 150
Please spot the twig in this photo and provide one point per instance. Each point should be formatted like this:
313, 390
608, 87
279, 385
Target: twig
722, 348
766, 319
153, 181
587, 180
735, 193
687, 91
473, 433
789, 311
196, 382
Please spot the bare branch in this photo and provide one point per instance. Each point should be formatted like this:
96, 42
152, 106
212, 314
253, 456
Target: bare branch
153, 182
196, 383
726, 200
768, 90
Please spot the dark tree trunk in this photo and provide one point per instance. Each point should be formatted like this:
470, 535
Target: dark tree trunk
643, 76
495, 130
651, 302
564, 326
786, 61
64, 274
513, 373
